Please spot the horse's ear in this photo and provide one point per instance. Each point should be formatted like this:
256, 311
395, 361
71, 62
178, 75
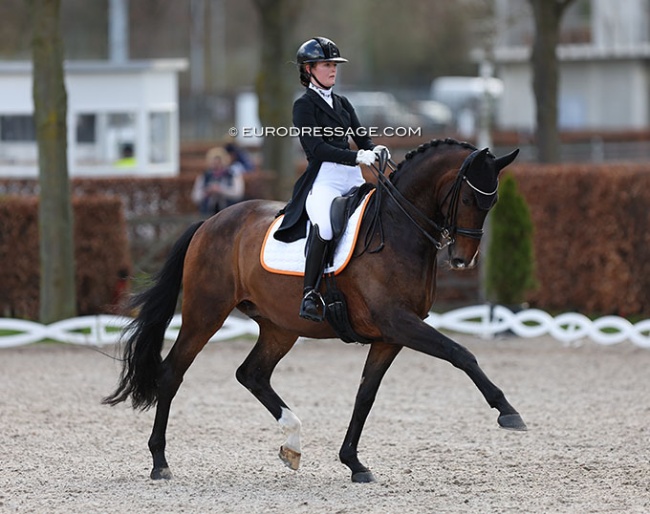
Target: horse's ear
502, 162
475, 160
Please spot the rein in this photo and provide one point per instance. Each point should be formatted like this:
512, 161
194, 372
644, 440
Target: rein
448, 230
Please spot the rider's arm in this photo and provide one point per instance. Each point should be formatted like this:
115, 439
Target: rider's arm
360, 134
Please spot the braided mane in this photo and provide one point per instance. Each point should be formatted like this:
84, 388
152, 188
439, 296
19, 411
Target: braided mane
428, 145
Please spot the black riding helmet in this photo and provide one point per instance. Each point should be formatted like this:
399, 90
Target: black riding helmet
316, 49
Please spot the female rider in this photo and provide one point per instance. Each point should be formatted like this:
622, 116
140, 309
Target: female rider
325, 120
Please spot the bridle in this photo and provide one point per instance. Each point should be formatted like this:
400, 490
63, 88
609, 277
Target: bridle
448, 230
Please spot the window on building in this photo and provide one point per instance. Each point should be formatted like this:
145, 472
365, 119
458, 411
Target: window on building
17, 128
101, 138
160, 134
85, 126
18, 140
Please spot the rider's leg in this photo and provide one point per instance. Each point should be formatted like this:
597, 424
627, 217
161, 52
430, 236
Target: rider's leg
312, 306
333, 180
318, 206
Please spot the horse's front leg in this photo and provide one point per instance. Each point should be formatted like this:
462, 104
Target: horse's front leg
380, 357
414, 333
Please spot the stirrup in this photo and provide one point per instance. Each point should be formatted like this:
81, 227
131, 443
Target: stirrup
314, 296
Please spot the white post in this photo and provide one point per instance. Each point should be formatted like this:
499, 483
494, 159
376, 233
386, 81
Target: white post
197, 47
484, 136
118, 30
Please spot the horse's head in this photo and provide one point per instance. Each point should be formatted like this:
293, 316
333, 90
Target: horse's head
446, 189
464, 201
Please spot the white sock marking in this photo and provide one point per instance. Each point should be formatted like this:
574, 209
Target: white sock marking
291, 426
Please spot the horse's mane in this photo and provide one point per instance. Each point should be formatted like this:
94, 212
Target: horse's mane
424, 147
373, 213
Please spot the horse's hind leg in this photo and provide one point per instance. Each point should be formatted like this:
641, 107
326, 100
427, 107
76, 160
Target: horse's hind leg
194, 334
380, 357
255, 375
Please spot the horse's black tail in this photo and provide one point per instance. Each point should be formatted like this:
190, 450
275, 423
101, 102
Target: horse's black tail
145, 334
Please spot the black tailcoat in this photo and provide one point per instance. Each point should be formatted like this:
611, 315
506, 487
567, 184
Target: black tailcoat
311, 111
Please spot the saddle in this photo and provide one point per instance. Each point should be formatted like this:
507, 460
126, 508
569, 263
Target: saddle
288, 258
344, 206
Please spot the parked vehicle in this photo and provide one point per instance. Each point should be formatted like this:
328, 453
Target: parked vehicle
380, 109
464, 95
434, 116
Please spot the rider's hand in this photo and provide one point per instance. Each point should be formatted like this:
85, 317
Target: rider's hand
366, 157
377, 149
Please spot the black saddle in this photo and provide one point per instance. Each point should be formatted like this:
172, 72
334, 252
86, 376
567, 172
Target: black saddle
344, 206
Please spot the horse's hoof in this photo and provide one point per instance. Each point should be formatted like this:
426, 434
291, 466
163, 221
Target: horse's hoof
512, 422
290, 458
363, 477
161, 474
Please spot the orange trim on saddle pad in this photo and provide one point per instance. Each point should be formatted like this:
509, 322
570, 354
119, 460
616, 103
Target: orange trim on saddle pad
289, 258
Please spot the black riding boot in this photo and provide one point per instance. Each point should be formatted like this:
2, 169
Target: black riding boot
313, 306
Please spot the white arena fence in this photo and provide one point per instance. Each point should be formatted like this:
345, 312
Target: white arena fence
484, 321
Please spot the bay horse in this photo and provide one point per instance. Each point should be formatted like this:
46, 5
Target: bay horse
437, 197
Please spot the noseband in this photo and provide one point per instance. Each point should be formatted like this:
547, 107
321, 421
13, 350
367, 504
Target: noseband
448, 230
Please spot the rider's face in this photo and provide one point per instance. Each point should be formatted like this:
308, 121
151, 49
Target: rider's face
325, 72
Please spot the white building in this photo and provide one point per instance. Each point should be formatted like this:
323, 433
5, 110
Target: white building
604, 69
122, 118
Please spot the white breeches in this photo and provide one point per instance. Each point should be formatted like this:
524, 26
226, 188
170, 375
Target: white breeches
333, 180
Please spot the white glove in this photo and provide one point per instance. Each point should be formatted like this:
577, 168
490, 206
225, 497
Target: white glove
377, 149
366, 157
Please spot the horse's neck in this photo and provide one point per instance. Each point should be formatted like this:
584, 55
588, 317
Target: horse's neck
415, 254
405, 216
420, 183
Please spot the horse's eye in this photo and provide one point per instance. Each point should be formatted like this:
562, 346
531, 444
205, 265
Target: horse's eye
468, 200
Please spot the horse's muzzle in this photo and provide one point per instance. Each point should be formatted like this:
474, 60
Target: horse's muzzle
459, 263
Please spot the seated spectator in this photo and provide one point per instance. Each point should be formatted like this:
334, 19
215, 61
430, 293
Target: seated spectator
221, 185
127, 156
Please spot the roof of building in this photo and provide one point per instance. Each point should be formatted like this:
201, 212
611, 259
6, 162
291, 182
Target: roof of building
13, 67
576, 53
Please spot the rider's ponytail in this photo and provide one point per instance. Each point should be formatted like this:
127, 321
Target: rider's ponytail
305, 76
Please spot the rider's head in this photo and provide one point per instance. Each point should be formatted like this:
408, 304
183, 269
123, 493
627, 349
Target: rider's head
309, 58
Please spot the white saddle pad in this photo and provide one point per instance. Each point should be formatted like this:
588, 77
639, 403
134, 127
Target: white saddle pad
289, 258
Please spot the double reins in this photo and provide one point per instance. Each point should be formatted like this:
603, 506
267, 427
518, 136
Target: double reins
448, 231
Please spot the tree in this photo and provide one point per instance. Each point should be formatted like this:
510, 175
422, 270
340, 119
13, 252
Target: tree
275, 85
548, 15
510, 263
57, 273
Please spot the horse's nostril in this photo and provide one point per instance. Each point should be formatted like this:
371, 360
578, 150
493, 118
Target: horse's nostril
457, 263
